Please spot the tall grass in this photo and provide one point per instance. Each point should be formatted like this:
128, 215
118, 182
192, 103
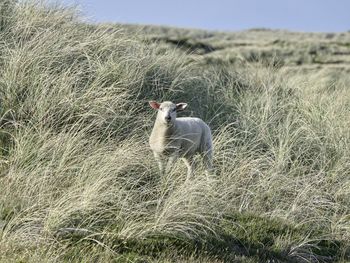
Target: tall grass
78, 181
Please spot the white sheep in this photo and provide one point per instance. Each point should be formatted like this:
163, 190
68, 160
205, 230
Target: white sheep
174, 138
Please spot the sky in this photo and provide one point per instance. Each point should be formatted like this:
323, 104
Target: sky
224, 15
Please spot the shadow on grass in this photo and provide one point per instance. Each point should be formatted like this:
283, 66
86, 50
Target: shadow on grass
188, 45
239, 237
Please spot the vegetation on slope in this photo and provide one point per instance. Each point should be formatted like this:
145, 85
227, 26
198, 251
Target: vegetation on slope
289, 49
78, 182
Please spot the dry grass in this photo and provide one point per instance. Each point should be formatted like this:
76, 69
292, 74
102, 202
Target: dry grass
78, 182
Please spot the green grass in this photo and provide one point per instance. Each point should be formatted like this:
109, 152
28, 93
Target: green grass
78, 182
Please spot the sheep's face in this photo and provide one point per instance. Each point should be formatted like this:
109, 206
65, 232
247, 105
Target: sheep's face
167, 110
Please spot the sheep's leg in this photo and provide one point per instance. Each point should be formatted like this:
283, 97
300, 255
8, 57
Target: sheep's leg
160, 162
190, 167
171, 162
208, 162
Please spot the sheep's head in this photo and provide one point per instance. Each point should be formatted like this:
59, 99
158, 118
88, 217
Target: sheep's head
167, 110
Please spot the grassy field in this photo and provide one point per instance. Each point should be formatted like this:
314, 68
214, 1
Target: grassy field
78, 182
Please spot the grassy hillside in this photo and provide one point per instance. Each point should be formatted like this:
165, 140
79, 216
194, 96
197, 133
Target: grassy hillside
78, 182
288, 49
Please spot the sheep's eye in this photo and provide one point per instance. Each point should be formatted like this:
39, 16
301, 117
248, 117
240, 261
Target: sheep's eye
174, 109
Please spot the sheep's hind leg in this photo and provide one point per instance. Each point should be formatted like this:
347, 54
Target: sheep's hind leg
208, 162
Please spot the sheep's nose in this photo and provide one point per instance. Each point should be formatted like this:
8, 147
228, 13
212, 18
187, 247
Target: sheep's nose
167, 118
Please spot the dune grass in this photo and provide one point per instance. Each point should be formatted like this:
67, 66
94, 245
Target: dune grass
78, 181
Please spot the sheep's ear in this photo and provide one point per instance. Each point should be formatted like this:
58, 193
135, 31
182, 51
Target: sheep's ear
155, 105
181, 106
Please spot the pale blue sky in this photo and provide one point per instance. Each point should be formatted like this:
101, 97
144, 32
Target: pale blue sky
231, 15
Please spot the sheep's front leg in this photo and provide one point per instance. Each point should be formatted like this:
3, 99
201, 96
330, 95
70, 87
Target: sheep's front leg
190, 167
171, 162
160, 162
